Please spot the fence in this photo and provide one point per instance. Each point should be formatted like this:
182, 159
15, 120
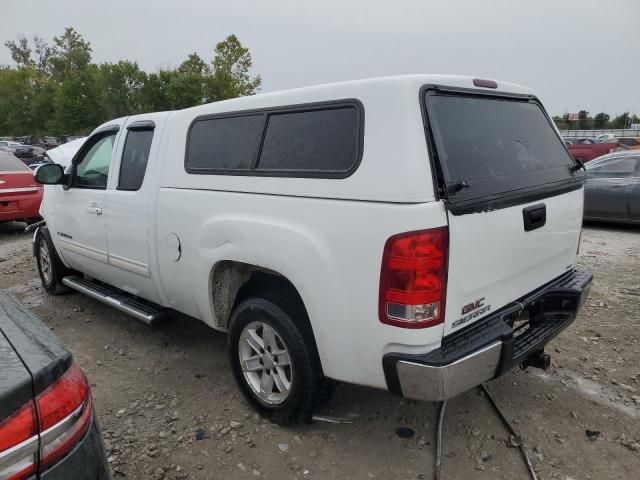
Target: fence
627, 132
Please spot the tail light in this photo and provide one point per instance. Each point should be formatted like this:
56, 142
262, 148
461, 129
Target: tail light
19, 443
42, 432
413, 280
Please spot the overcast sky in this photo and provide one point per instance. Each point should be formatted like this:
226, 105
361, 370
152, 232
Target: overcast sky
575, 53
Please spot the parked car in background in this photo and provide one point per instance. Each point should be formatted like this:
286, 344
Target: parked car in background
9, 143
48, 428
281, 219
30, 154
612, 189
629, 143
49, 142
25, 139
62, 139
588, 150
605, 137
20, 194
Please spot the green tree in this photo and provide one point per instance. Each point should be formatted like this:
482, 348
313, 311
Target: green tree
121, 87
583, 120
194, 64
26, 56
601, 120
69, 54
24, 102
231, 65
55, 89
78, 103
560, 122
20, 51
621, 121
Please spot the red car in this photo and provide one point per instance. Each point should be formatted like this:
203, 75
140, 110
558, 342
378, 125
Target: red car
20, 194
589, 150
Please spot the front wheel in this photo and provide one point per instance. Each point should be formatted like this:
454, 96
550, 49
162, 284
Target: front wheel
274, 360
50, 267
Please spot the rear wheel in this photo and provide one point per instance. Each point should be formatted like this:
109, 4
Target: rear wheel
50, 267
274, 359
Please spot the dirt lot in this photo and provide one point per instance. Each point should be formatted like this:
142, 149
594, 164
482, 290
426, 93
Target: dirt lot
169, 408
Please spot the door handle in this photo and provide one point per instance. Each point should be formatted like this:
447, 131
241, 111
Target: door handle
534, 216
95, 210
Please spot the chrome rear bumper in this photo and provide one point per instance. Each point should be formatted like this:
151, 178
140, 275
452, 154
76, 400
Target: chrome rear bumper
490, 347
435, 383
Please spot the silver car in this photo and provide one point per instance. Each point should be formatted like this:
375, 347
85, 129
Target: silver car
612, 190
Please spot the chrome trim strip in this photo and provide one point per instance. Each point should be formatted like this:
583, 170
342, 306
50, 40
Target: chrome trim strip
132, 266
436, 383
83, 250
19, 452
19, 189
32, 445
62, 426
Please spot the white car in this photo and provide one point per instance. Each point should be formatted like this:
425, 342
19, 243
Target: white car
9, 143
605, 137
415, 233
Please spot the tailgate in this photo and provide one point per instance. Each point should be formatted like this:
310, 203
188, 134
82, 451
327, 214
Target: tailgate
514, 199
494, 261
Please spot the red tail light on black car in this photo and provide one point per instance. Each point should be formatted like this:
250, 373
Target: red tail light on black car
43, 431
413, 279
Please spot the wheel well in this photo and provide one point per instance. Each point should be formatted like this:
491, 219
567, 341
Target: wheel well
232, 282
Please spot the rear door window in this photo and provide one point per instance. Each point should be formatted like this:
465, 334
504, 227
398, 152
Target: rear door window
134, 159
489, 147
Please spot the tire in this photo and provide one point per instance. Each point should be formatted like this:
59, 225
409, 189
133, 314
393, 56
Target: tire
50, 267
289, 365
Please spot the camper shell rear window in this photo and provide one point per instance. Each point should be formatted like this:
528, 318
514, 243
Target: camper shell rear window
494, 151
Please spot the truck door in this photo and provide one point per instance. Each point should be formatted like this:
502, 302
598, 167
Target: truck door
128, 205
79, 225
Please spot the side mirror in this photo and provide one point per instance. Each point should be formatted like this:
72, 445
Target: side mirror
50, 174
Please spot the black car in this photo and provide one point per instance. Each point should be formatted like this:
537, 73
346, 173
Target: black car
48, 428
612, 189
28, 154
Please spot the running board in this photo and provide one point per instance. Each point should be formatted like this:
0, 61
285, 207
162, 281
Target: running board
117, 299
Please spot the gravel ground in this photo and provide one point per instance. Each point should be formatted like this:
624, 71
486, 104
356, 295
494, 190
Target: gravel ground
169, 408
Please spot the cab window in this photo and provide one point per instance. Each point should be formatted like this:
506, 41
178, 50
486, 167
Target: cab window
92, 169
134, 158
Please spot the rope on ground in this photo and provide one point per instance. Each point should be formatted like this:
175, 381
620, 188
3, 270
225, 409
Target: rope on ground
523, 451
443, 405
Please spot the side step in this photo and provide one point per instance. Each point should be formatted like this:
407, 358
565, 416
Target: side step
117, 299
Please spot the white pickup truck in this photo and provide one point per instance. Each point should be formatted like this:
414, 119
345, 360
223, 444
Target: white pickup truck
414, 233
